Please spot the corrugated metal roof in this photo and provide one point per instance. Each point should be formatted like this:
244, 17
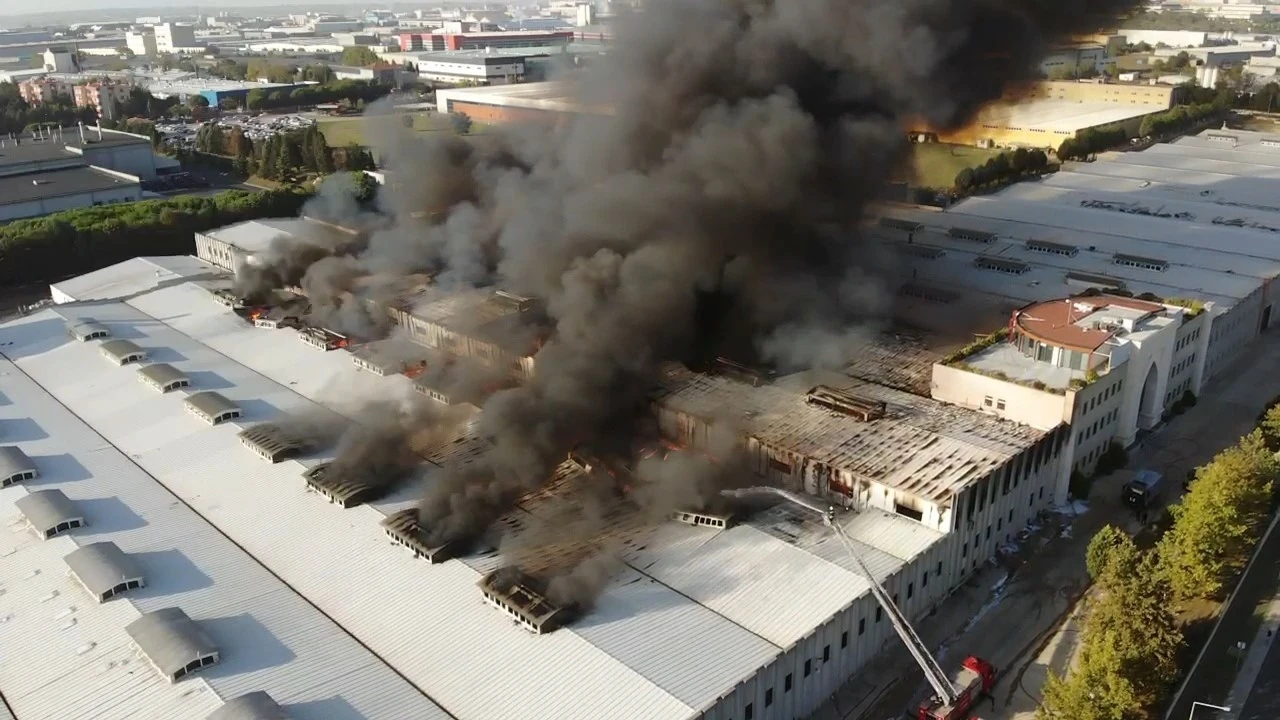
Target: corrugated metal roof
252, 706
46, 509
170, 639
102, 566
66, 656
131, 277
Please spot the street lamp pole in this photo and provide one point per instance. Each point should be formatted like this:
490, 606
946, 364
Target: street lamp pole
1197, 704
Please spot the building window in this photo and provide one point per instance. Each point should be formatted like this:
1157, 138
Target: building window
808, 667
924, 579
862, 626
1000, 404
786, 683
878, 614
989, 401
768, 697
779, 467
826, 654
911, 589
964, 550
844, 639
750, 712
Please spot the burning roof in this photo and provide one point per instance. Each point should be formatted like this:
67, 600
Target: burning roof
523, 597
404, 528
341, 488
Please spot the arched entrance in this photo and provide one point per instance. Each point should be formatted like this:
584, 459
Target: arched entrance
1150, 408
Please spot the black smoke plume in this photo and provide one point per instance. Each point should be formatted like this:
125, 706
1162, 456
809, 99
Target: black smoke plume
746, 142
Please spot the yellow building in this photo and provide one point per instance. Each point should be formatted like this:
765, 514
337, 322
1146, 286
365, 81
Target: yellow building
1046, 113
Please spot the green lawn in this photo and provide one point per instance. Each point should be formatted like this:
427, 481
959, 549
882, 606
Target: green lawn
342, 131
936, 164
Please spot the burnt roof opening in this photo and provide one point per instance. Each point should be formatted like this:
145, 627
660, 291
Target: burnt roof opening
524, 598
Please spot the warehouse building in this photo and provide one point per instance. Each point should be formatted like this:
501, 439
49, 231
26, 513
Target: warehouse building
1049, 112
56, 170
546, 102
921, 523
1178, 243
215, 90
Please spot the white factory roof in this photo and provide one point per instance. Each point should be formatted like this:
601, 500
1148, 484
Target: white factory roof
706, 613
254, 236
1060, 116
1205, 207
556, 96
66, 655
131, 277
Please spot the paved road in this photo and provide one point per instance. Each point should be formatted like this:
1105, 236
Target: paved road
1264, 702
1015, 632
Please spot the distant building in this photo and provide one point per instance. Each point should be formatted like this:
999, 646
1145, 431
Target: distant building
143, 44
445, 40
104, 96
61, 60
214, 90
329, 26
170, 37
54, 170
471, 67
39, 91
384, 73
356, 39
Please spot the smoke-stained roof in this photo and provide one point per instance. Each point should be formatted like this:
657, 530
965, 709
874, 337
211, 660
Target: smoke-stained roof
314, 662
921, 446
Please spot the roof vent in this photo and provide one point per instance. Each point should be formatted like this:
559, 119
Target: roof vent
226, 298
340, 488
122, 352
929, 294
928, 252
980, 236
252, 706
88, 329
1048, 246
173, 643
742, 373
523, 598
1139, 261
519, 303
897, 224
15, 466
273, 442
322, 339
50, 513
404, 528
845, 403
1009, 267
105, 570
701, 519
163, 377
1094, 280
211, 407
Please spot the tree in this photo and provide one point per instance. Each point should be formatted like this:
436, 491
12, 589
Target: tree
964, 180
125, 52
229, 103
359, 56
1111, 555
461, 123
1069, 149
1270, 427
239, 146
1038, 160
1218, 520
255, 100
197, 101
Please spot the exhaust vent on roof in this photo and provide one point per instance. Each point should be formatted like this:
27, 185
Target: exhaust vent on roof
519, 303
173, 643
105, 570
252, 706
211, 407
1138, 261
523, 598
163, 377
1010, 267
344, 491
404, 529
897, 224
701, 519
50, 513
88, 329
846, 403
274, 443
930, 294
226, 298
15, 466
928, 252
322, 339
122, 352
980, 236
1094, 280
1047, 246
742, 373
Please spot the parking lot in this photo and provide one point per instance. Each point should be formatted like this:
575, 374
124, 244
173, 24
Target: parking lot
255, 127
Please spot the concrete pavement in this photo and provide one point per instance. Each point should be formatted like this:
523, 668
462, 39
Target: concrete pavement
1018, 628
1256, 701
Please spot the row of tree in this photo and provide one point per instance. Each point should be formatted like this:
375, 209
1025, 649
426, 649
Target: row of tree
282, 156
76, 241
1001, 168
1131, 638
1178, 119
353, 91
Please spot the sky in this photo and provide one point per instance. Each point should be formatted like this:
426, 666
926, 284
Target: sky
11, 10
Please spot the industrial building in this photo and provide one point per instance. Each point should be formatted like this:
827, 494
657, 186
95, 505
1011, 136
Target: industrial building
527, 102
214, 90
1046, 113
473, 67
1178, 244
781, 615
57, 170
476, 40
172, 37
